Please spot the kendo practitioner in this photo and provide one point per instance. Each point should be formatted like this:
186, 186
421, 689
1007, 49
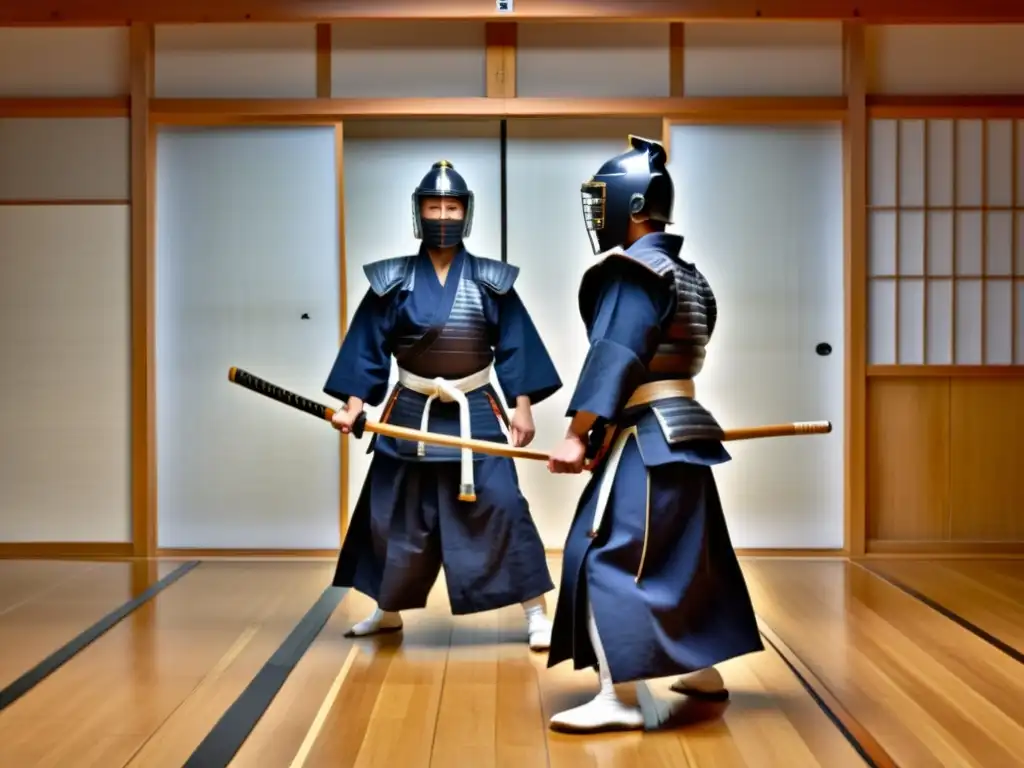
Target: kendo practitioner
651, 586
447, 317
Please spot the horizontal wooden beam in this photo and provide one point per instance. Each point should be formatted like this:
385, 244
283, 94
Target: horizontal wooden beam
119, 12
946, 371
220, 111
965, 106
64, 107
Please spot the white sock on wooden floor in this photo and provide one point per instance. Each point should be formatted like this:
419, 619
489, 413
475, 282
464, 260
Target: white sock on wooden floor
537, 624
605, 712
376, 622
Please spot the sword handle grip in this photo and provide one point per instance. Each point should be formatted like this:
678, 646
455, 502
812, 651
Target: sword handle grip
359, 426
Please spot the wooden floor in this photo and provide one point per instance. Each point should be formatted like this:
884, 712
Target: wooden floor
917, 662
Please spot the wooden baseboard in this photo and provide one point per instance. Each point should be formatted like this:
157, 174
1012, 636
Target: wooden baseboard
66, 550
230, 553
948, 549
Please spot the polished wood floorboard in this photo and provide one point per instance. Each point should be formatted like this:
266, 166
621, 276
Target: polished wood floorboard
987, 593
148, 691
45, 604
467, 691
929, 691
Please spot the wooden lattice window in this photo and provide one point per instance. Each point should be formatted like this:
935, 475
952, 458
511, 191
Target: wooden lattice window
946, 242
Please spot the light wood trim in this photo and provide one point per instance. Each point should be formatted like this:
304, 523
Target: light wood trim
323, 61
339, 165
890, 547
899, 225
72, 550
65, 107
740, 109
143, 278
120, 12
234, 553
677, 60
945, 107
926, 256
502, 39
855, 258
83, 201
946, 371
1014, 234
790, 553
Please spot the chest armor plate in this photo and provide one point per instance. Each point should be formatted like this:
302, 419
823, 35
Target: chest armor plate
463, 345
680, 355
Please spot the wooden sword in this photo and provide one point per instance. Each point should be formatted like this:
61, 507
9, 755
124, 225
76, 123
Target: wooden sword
362, 424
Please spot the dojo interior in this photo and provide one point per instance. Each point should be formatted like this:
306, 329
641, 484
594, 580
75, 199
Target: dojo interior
177, 198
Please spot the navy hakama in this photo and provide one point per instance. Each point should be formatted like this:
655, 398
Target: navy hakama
412, 517
660, 575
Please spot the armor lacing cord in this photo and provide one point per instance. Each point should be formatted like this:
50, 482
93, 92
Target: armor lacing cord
449, 391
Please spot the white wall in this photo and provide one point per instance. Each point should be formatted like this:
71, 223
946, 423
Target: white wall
247, 241
547, 162
383, 164
761, 211
64, 392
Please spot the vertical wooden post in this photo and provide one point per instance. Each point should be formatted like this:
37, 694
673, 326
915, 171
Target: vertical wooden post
143, 330
855, 278
339, 166
501, 59
676, 59
323, 61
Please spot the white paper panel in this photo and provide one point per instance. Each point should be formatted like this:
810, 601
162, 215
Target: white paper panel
247, 243
881, 243
592, 60
969, 162
778, 297
940, 322
911, 243
882, 165
912, 162
1020, 162
940, 243
64, 393
998, 322
408, 59
999, 163
945, 58
999, 243
64, 159
763, 59
236, 61
52, 62
1019, 335
1019, 250
911, 321
968, 243
940, 162
968, 322
882, 322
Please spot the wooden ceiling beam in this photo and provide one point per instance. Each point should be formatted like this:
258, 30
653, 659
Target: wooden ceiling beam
118, 12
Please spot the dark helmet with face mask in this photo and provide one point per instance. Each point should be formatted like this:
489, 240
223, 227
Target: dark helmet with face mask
635, 183
442, 181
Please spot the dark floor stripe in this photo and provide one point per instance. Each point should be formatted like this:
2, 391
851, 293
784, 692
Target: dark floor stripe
872, 753
956, 618
227, 736
62, 655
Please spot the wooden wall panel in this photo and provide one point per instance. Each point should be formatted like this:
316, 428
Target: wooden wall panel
908, 438
987, 431
63, 62
944, 459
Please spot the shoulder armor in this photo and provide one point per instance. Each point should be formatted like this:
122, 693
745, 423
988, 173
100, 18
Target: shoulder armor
495, 275
387, 274
653, 261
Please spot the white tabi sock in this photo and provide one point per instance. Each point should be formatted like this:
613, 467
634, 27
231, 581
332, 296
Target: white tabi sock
605, 712
377, 622
537, 624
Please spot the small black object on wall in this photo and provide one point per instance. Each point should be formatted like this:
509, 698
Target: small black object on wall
824, 349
